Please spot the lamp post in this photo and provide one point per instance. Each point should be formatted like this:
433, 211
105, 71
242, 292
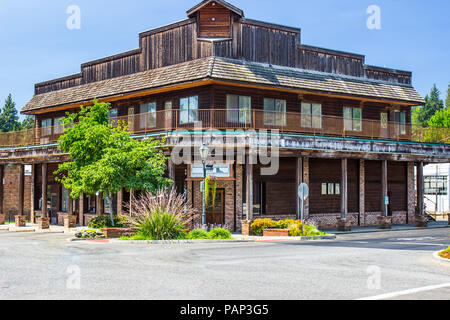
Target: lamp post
204, 150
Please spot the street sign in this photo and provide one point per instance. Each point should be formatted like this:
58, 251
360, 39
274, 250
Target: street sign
386, 200
303, 191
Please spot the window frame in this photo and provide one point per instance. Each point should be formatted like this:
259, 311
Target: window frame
149, 120
353, 119
189, 111
308, 119
243, 112
273, 114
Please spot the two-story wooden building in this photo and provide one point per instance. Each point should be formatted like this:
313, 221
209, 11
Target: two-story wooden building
344, 126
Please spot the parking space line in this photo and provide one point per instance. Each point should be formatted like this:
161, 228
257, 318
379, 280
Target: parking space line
406, 292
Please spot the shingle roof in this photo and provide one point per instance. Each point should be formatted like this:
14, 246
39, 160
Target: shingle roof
216, 68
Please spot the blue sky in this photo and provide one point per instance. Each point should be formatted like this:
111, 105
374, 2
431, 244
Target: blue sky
37, 46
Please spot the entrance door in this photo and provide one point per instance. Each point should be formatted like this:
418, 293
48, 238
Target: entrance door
216, 215
54, 209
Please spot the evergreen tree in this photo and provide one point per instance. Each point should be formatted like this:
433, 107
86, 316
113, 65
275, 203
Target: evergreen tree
447, 101
27, 123
433, 103
9, 119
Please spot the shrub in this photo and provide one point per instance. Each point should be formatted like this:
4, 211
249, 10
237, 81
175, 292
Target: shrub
219, 233
198, 234
100, 222
161, 216
445, 254
89, 234
309, 230
260, 224
284, 224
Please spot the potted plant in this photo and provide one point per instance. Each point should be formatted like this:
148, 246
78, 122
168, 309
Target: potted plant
3, 217
70, 221
384, 222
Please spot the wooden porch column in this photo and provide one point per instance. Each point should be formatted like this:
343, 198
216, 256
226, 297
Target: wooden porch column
44, 191
81, 211
120, 202
249, 189
384, 187
21, 187
362, 192
2, 171
171, 168
69, 204
344, 207
420, 189
99, 204
32, 198
299, 180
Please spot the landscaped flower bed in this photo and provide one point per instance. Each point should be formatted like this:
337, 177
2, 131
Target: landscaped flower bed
290, 227
445, 254
90, 234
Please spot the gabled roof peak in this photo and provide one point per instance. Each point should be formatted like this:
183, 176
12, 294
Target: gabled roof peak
223, 3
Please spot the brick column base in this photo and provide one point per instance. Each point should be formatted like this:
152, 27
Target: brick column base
343, 224
384, 222
245, 227
3, 217
43, 223
421, 221
20, 221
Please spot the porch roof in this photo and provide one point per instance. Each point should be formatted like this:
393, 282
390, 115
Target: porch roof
232, 71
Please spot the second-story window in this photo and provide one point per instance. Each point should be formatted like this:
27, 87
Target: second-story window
274, 112
238, 108
352, 119
59, 126
189, 110
46, 127
311, 116
400, 120
147, 117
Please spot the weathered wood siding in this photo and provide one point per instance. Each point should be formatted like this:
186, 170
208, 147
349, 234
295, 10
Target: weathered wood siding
214, 22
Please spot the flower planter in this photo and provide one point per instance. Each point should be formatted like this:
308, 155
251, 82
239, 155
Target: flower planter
43, 223
245, 227
343, 225
421, 221
275, 232
384, 222
117, 232
3, 217
20, 221
70, 221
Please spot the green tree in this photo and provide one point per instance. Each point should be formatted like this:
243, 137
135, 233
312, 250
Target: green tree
9, 118
447, 100
433, 103
106, 159
27, 123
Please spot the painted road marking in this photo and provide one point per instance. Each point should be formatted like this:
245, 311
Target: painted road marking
406, 292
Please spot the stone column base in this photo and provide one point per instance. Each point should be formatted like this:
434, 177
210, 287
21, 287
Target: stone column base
421, 221
384, 222
245, 227
70, 221
3, 218
343, 224
20, 221
43, 223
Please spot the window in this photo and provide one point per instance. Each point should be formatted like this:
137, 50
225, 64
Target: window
46, 127
274, 112
64, 199
59, 126
147, 117
168, 107
400, 119
238, 108
435, 185
352, 119
311, 115
113, 113
384, 120
189, 110
331, 188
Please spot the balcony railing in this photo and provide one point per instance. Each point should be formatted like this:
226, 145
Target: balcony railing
222, 119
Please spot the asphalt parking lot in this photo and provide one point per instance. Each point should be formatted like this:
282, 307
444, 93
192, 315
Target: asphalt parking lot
382, 265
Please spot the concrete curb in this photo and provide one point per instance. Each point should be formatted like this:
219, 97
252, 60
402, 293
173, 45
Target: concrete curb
267, 239
389, 230
440, 259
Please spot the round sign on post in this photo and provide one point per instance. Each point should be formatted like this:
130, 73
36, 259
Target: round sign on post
303, 191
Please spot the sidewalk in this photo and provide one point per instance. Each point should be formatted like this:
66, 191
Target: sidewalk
30, 227
402, 227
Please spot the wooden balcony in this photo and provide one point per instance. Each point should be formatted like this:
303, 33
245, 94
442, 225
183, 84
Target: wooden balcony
221, 119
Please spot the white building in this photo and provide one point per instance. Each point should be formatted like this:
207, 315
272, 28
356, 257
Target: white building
436, 187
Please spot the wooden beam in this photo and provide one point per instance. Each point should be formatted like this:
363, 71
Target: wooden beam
21, 188
384, 187
299, 180
32, 190
120, 202
420, 189
81, 210
362, 192
249, 189
44, 212
2, 176
344, 196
